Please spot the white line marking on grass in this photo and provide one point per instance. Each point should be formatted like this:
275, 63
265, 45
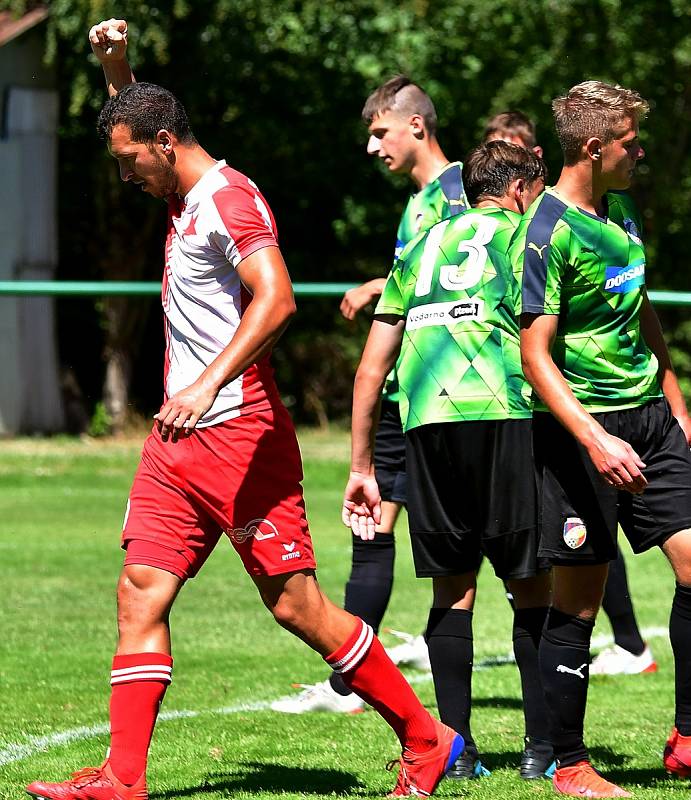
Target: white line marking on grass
36, 744
597, 643
647, 633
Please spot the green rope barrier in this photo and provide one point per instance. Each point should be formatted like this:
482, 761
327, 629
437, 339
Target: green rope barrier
134, 288
139, 288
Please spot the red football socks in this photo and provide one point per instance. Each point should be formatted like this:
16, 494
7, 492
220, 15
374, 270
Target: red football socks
138, 682
366, 669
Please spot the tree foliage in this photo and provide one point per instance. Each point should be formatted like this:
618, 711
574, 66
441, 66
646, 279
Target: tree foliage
277, 86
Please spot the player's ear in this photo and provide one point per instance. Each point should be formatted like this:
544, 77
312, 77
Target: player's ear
593, 148
417, 126
538, 151
519, 194
164, 141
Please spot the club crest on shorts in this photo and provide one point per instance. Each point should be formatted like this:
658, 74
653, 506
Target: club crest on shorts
259, 528
575, 532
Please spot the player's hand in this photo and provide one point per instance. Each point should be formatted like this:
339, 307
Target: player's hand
617, 462
685, 424
183, 411
108, 40
355, 299
361, 505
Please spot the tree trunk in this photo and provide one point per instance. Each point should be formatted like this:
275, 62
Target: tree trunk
116, 388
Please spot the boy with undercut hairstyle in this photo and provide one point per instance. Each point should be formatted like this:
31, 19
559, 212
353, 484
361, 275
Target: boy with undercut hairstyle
448, 311
611, 429
402, 123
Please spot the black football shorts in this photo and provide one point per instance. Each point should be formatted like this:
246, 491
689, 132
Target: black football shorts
580, 512
471, 492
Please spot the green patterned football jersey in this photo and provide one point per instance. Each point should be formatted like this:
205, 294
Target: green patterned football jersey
460, 355
442, 198
590, 271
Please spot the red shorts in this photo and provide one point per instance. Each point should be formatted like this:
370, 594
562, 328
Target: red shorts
241, 477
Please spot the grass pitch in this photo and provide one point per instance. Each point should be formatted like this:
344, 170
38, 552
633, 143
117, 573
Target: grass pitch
61, 504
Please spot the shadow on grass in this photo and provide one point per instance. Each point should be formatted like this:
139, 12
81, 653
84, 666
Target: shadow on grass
256, 777
611, 763
614, 766
498, 702
505, 760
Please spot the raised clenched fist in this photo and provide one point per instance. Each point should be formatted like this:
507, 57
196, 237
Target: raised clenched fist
108, 40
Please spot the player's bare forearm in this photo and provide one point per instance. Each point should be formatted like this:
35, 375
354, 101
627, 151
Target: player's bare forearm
537, 337
615, 459
378, 359
375, 286
253, 340
108, 40
366, 405
117, 74
362, 502
654, 338
263, 321
260, 328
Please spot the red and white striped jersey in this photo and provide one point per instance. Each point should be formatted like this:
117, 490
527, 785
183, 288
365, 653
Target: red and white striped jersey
222, 220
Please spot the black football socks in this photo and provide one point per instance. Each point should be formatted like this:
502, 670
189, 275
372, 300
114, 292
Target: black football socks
680, 638
617, 604
449, 638
527, 632
564, 656
369, 587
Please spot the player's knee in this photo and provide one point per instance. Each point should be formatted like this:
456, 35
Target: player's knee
584, 609
682, 573
455, 591
287, 613
533, 592
585, 606
302, 616
682, 568
144, 596
678, 550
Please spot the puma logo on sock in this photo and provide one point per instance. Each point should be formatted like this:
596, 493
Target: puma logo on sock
579, 671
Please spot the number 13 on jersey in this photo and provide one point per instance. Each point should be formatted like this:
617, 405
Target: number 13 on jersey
468, 271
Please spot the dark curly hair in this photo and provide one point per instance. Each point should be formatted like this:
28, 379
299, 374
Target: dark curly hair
146, 109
